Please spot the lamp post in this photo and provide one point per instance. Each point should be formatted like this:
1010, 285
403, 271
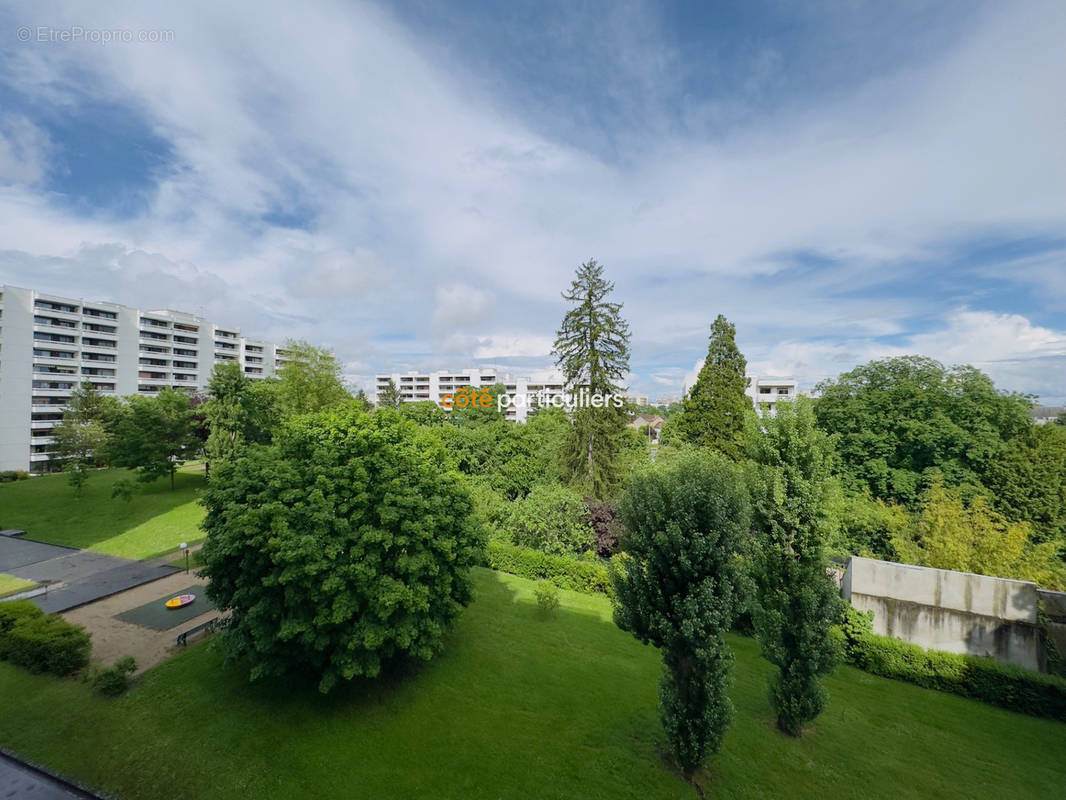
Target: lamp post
185, 548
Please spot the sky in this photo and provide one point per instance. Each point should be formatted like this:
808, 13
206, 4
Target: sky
414, 184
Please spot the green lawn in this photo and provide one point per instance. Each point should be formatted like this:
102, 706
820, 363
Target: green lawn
155, 521
516, 707
9, 584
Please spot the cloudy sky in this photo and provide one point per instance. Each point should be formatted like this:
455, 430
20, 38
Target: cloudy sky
413, 184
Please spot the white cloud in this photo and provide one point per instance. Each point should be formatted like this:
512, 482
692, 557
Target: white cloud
461, 307
431, 173
24, 150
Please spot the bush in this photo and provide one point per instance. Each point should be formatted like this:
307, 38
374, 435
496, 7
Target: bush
7, 476
115, 680
566, 572
602, 516
553, 519
982, 679
343, 549
11, 613
547, 597
42, 643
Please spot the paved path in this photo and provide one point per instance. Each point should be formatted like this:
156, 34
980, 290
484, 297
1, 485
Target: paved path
75, 576
20, 782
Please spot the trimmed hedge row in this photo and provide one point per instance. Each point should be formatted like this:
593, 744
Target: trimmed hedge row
41, 643
566, 572
982, 679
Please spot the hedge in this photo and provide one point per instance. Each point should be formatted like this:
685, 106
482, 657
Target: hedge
40, 643
978, 678
566, 572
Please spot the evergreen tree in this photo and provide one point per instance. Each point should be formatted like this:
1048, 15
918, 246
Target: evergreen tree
389, 397
796, 603
592, 350
363, 402
714, 410
683, 523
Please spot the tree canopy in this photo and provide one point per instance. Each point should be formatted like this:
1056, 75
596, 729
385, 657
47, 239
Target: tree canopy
342, 549
310, 380
900, 420
153, 435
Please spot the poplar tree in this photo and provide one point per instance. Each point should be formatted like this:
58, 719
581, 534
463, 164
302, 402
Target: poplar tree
714, 410
592, 351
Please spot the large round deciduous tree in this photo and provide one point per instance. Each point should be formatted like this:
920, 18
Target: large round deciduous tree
341, 549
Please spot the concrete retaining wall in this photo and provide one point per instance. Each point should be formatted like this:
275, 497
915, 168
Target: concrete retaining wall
1053, 604
953, 611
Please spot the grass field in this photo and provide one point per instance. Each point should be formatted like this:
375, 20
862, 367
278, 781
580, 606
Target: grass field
9, 584
155, 521
516, 707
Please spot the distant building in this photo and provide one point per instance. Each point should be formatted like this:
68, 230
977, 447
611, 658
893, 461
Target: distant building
49, 345
1044, 414
650, 424
666, 402
416, 386
638, 399
766, 393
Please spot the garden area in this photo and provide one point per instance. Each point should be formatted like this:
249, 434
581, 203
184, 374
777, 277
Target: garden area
518, 705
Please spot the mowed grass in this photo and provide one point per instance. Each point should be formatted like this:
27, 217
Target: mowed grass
155, 521
516, 707
9, 584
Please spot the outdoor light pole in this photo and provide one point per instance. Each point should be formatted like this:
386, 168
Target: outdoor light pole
185, 547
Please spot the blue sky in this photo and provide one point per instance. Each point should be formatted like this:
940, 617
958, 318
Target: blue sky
413, 184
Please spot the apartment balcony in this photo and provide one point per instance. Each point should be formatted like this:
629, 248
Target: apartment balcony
45, 425
45, 311
39, 457
104, 345
58, 361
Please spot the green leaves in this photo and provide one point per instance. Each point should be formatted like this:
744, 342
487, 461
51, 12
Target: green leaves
341, 549
714, 411
153, 435
684, 521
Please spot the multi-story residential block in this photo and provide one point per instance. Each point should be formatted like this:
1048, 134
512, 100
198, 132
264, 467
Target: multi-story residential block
1042, 415
49, 345
535, 389
766, 393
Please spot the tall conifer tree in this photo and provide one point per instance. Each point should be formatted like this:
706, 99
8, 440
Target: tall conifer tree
592, 350
714, 410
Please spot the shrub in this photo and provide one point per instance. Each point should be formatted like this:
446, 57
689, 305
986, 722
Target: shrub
602, 516
114, 680
11, 613
42, 643
551, 518
7, 476
343, 549
978, 678
547, 597
566, 572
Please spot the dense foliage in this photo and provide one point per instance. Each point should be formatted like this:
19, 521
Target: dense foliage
341, 549
310, 380
900, 420
713, 413
41, 642
796, 603
684, 522
972, 537
592, 350
606, 526
551, 518
153, 435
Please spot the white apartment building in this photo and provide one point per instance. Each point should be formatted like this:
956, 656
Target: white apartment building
766, 393
49, 345
420, 386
